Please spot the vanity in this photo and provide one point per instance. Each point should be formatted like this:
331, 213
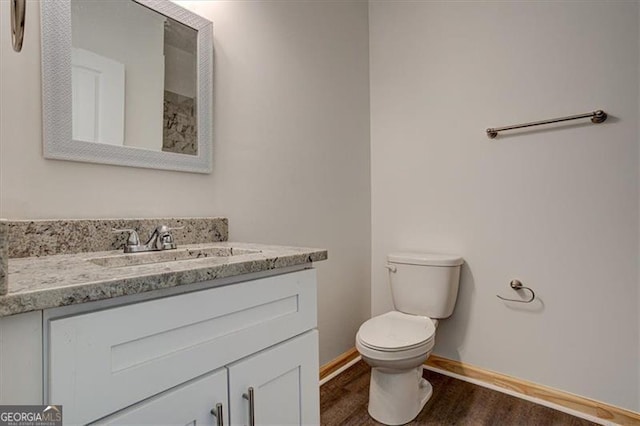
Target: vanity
212, 332
208, 332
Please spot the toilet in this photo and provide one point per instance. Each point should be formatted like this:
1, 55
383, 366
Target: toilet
424, 287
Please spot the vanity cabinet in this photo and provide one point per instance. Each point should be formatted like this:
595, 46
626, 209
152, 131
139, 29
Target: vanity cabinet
171, 360
282, 379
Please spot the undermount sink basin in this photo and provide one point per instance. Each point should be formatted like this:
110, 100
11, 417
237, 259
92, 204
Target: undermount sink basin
134, 259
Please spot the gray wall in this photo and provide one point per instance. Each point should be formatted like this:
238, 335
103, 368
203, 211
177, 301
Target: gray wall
557, 209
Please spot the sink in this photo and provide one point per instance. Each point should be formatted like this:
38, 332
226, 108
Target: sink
134, 259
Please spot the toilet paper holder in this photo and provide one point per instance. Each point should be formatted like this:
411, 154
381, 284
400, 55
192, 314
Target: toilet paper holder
517, 285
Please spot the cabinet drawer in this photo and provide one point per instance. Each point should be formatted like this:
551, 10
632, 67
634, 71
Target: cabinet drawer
188, 404
104, 361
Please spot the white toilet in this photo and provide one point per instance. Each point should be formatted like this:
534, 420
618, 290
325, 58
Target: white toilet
396, 344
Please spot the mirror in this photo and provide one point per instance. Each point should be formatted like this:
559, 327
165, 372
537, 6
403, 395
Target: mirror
127, 82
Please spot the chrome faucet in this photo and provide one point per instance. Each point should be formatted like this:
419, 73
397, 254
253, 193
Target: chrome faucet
160, 239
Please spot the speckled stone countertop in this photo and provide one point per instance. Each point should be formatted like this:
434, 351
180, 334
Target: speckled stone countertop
52, 281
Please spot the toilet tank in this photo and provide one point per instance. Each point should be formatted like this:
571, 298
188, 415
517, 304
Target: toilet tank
424, 283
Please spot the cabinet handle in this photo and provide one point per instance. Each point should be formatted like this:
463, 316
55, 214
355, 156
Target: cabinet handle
252, 414
217, 413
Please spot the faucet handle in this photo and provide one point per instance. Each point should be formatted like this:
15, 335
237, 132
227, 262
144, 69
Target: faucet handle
133, 239
165, 228
161, 238
167, 239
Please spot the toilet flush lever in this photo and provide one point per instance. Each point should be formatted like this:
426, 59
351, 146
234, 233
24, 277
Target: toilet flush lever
517, 285
391, 268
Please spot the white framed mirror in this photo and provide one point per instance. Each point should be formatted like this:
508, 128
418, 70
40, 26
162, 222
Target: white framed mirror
127, 82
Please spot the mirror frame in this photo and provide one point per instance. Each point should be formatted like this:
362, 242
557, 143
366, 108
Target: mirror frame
57, 104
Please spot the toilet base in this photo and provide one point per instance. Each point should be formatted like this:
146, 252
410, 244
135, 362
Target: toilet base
397, 396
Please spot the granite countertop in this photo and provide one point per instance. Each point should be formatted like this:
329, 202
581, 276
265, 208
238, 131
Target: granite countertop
66, 279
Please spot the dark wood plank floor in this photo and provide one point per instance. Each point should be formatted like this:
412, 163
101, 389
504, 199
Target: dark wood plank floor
343, 401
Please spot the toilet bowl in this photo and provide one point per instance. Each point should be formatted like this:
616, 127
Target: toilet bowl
396, 344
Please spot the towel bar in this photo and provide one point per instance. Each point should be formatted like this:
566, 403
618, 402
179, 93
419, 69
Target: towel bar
596, 117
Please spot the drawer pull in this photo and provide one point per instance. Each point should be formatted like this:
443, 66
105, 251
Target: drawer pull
217, 413
252, 414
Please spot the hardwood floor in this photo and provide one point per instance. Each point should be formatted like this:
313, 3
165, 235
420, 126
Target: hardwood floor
343, 401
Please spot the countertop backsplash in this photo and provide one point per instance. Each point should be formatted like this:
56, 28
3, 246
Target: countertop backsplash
35, 238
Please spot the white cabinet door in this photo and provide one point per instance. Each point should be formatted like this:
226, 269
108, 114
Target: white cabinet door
188, 404
284, 379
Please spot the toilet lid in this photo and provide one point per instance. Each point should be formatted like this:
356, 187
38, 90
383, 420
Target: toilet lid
396, 331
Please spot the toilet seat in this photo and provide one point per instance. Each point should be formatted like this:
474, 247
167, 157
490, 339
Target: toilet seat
397, 332
394, 356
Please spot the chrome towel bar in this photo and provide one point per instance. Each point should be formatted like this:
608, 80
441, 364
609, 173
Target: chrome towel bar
596, 117
517, 285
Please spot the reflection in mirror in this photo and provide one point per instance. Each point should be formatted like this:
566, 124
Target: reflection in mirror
127, 82
134, 77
